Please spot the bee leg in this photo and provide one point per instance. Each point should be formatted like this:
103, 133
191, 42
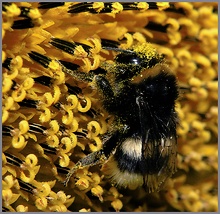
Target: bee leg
109, 145
90, 160
95, 157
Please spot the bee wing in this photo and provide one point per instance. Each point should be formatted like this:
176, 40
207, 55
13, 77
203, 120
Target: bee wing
162, 164
159, 154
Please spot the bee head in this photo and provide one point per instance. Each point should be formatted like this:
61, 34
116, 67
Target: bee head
131, 62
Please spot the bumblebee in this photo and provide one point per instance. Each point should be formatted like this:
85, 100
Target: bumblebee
139, 91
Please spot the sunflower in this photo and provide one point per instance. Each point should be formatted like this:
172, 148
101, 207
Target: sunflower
51, 120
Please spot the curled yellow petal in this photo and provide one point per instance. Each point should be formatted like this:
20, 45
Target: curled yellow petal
29, 177
98, 145
32, 136
9, 197
57, 93
93, 128
73, 100
66, 141
54, 126
45, 116
96, 62
45, 190
8, 182
41, 203
129, 40
73, 140
87, 65
13, 74
8, 103
5, 115
19, 95
6, 84
74, 125
23, 127
28, 83
31, 160
60, 77
68, 118
97, 44
18, 142
64, 160
53, 141
17, 62
48, 99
